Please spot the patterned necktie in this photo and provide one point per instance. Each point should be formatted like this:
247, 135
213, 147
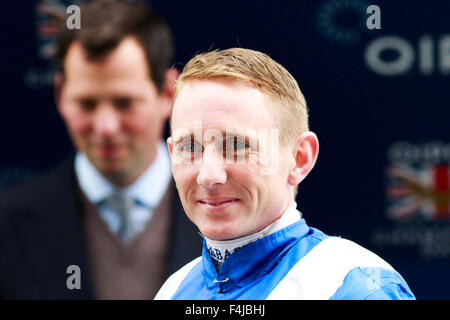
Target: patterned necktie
122, 204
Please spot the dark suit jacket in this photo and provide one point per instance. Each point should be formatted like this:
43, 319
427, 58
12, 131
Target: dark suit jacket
41, 235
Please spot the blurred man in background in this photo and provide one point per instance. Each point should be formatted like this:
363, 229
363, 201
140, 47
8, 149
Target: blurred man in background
107, 223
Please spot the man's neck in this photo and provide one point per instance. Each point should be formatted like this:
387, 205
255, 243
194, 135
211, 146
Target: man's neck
124, 179
221, 250
150, 185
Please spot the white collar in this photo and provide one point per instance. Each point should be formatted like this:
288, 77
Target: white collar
148, 189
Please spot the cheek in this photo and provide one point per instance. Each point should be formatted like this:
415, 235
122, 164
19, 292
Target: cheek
246, 182
77, 122
144, 124
135, 122
185, 177
258, 190
246, 174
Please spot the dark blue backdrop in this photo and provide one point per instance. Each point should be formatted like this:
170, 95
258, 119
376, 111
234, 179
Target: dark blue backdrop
378, 99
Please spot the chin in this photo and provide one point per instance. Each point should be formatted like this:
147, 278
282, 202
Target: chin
113, 169
220, 233
218, 224
113, 164
116, 173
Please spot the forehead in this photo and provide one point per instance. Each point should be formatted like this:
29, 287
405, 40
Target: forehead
222, 105
125, 66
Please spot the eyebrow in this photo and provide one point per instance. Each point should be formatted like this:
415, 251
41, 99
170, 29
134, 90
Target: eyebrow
246, 135
225, 135
119, 96
181, 138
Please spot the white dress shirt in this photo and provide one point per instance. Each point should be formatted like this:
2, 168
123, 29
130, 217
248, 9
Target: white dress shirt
147, 191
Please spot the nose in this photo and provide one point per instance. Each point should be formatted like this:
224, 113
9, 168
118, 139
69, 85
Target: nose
212, 171
106, 121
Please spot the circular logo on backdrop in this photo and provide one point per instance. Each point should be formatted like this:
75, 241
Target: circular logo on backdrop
342, 21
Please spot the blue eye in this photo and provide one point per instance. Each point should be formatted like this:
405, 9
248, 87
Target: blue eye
237, 145
190, 147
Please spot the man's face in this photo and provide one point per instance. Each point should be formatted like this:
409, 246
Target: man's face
224, 189
112, 109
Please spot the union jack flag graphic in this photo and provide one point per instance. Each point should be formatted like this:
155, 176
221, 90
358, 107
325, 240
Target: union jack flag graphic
418, 191
48, 15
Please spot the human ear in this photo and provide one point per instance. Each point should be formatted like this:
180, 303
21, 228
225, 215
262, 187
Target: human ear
168, 90
305, 152
170, 146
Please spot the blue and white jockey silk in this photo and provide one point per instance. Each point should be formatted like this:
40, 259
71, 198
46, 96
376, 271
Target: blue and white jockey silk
294, 262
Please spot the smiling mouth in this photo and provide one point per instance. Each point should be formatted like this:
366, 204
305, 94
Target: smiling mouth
218, 202
108, 149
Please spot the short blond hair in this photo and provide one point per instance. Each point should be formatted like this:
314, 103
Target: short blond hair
286, 102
